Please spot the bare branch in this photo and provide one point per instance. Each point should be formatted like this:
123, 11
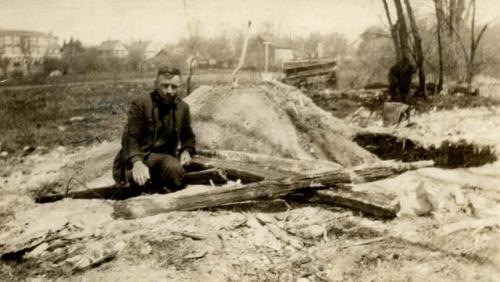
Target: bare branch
457, 34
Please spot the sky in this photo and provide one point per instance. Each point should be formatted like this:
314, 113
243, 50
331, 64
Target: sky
93, 21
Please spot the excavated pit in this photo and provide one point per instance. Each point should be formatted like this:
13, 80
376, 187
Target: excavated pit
447, 155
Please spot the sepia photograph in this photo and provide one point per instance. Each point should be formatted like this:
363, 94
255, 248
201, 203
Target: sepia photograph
263, 140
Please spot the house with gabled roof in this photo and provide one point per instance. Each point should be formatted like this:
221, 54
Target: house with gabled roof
147, 49
113, 49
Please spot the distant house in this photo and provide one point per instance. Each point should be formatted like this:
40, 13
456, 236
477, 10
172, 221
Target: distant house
147, 49
21, 49
166, 57
202, 61
278, 52
162, 58
282, 54
113, 49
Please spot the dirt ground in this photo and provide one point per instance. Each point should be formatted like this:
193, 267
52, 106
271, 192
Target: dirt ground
447, 228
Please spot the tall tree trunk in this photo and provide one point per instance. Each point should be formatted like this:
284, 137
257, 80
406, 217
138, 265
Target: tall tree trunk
394, 31
474, 43
439, 18
418, 51
468, 76
455, 20
451, 16
402, 31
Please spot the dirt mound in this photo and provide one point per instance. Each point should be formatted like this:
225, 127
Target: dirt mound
272, 119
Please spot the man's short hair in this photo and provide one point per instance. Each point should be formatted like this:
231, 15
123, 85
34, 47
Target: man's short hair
168, 71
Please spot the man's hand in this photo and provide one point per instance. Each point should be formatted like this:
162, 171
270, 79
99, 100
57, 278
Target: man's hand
140, 173
185, 158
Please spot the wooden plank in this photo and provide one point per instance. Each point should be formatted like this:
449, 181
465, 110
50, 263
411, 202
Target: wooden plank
266, 189
115, 192
304, 68
208, 176
295, 166
315, 80
370, 203
112, 192
309, 73
246, 172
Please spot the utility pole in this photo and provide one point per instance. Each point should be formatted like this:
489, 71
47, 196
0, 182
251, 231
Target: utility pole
266, 46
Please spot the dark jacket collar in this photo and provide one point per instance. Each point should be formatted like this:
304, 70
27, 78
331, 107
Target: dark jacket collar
158, 101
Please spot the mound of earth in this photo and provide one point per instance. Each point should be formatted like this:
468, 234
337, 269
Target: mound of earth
272, 119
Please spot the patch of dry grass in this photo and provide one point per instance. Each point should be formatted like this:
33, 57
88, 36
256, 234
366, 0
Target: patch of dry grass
39, 115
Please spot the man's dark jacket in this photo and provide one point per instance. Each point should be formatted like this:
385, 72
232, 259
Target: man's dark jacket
150, 128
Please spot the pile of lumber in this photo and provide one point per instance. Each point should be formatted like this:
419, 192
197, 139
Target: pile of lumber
254, 177
311, 73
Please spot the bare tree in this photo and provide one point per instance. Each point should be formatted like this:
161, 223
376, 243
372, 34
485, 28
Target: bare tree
474, 43
457, 15
453, 14
419, 54
394, 31
402, 31
194, 43
401, 40
439, 18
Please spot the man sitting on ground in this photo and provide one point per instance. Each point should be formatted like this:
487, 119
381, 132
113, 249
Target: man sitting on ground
157, 139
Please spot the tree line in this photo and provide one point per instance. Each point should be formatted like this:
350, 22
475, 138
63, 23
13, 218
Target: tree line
446, 44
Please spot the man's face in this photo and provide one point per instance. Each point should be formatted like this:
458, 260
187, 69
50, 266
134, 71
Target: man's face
168, 87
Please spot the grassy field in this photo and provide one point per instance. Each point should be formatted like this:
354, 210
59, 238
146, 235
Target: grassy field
39, 115
212, 75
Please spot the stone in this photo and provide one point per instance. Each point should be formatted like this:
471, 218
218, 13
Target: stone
55, 73
42, 149
28, 150
77, 119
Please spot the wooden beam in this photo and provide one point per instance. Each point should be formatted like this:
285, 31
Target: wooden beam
266, 189
245, 171
370, 203
307, 67
208, 176
309, 73
112, 192
115, 192
266, 162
